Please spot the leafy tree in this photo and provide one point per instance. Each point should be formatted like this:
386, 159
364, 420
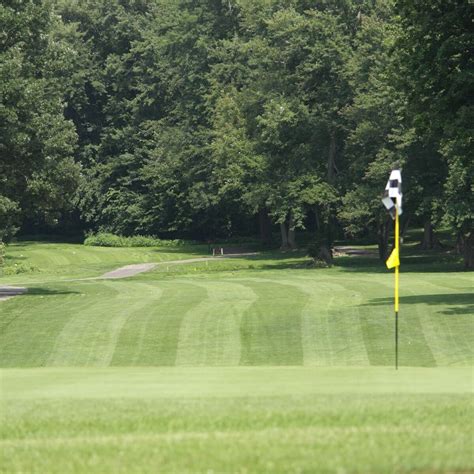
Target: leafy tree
38, 174
153, 61
192, 118
289, 102
375, 127
435, 49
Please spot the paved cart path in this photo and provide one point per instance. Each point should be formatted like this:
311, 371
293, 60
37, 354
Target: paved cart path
7, 292
135, 269
129, 270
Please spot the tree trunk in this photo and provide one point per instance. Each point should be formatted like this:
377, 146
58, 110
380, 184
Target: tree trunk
383, 233
325, 254
404, 228
291, 232
284, 236
332, 168
468, 250
458, 248
265, 225
427, 242
330, 231
316, 219
430, 241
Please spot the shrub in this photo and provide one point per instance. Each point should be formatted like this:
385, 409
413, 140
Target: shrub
105, 239
18, 268
2, 252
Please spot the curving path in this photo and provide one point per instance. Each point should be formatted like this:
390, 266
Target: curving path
135, 269
7, 292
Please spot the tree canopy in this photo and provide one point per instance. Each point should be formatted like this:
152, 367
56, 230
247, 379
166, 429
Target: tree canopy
201, 119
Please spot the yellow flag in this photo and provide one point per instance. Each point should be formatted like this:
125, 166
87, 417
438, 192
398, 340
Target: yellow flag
394, 260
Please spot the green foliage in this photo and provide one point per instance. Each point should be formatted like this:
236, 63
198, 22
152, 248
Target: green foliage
37, 171
277, 91
104, 239
436, 76
191, 118
9, 269
18, 269
9, 217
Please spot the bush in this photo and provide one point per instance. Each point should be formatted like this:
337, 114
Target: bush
18, 268
105, 239
14, 269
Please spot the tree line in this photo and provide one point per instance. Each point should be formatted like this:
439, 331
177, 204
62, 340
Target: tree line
212, 118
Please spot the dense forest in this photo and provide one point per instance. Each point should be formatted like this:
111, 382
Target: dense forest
219, 118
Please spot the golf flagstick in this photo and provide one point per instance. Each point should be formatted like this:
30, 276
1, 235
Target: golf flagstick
397, 249
392, 201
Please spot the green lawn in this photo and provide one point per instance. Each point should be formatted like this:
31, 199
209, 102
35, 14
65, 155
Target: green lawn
278, 419
251, 365
57, 261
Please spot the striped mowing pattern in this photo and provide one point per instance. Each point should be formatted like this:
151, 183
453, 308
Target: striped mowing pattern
254, 318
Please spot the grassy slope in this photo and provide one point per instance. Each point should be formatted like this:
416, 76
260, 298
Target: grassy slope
53, 261
266, 317
256, 312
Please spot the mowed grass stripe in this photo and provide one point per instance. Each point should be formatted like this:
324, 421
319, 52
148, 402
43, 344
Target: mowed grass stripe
417, 323
414, 345
210, 331
271, 328
331, 331
372, 322
36, 321
377, 324
355, 331
150, 336
364, 311
442, 326
91, 335
329, 433
73, 336
343, 320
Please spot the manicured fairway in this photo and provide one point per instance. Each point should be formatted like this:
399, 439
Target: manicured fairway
252, 365
264, 317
